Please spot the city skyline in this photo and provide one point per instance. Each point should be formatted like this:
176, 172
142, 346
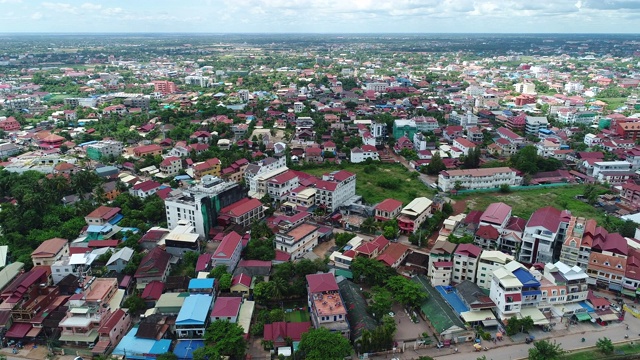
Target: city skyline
326, 16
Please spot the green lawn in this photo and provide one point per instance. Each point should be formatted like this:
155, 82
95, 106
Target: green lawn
525, 202
296, 316
613, 103
382, 181
621, 352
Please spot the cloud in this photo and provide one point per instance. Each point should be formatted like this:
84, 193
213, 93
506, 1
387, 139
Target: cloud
90, 6
60, 7
36, 16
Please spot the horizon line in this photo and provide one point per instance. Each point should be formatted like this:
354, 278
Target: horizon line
308, 33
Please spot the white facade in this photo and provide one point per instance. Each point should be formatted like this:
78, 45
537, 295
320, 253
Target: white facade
107, 148
611, 166
573, 87
478, 178
377, 86
332, 193
257, 174
525, 88
298, 240
441, 273
490, 261
506, 291
358, 155
464, 268
592, 140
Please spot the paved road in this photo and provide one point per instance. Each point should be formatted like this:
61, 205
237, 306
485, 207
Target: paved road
509, 350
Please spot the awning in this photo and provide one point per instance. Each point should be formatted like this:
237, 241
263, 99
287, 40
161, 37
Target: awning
615, 287
475, 316
583, 316
18, 330
608, 317
489, 323
628, 292
34, 332
88, 338
536, 315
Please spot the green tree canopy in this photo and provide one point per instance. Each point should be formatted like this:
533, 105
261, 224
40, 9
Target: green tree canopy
545, 350
322, 344
223, 338
405, 291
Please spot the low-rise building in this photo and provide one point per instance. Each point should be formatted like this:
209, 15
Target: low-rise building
228, 252
388, 209
193, 318
326, 305
226, 308
244, 213
414, 214
298, 240
153, 266
50, 251
486, 178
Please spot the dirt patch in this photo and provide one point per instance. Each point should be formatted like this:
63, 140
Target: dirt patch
459, 206
212, 246
323, 249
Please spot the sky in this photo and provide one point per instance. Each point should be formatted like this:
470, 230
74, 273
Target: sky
320, 16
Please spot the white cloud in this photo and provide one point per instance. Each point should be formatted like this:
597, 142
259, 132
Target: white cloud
60, 7
36, 16
90, 6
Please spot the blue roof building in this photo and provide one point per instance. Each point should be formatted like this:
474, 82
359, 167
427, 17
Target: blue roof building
135, 348
201, 286
531, 292
193, 317
184, 348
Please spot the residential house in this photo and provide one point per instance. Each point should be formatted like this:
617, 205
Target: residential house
545, 228
147, 150
326, 305
103, 215
488, 262
506, 290
153, 266
170, 166
226, 308
241, 284
228, 252
50, 251
145, 189
110, 334
414, 215
387, 210
280, 333
335, 189
244, 213
442, 251
464, 145
280, 185
298, 240
510, 136
119, 260
208, 167
361, 154
193, 318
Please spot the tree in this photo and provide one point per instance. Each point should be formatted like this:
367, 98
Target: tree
605, 345
135, 304
381, 303
436, 165
225, 339
525, 160
505, 188
545, 350
322, 344
218, 272
368, 225
628, 229
405, 291
167, 356
343, 238
225, 282
262, 292
370, 271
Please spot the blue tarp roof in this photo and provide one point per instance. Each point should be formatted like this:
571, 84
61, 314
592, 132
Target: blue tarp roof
586, 306
99, 228
182, 177
531, 292
525, 277
136, 348
116, 219
201, 283
195, 310
184, 349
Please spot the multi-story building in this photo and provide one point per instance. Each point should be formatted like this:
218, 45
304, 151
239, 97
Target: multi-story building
170, 166
193, 317
570, 116
571, 252
573, 278
478, 178
361, 154
244, 213
141, 102
326, 305
488, 262
506, 290
615, 172
628, 129
182, 239
164, 87
525, 88
104, 149
510, 136
280, 185
298, 240
465, 263
425, 124
50, 251
442, 251
534, 124
573, 87
404, 127
88, 311
154, 266
257, 174
414, 215
199, 203
228, 252
546, 227
388, 209
76, 264
145, 150
377, 86
464, 145
208, 167
335, 189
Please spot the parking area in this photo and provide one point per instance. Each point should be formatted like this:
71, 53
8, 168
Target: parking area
406, 329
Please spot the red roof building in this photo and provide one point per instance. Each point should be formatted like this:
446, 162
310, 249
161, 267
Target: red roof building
145, 150
152, 291
280, 332
228, 252
388, 209
153, 267
226, 308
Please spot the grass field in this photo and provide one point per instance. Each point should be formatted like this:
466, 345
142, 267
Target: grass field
621, 352
525, 202
613, 103
297, 316
385, 181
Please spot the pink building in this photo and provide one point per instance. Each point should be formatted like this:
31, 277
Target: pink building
165, 87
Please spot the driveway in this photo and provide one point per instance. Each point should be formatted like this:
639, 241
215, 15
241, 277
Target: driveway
406, 329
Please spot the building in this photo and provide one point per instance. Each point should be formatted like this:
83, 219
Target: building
361, 154
506, 290
164, 87
110, 334
572, 278
298, 240
279, 186
193, 318
154, 266
147, 150
465, 263
326, 305
119, 259
387, 210
9, 124
525, 88
545, 228
404, 127
628, 129
442, 251
510, 136
534, 124
488, 178
50, 251
464, 145
613, 172
226, 308
257, 174
145, 189
170, 166
279, 332
201, 203
488, 262
335, 189
571, 247
182, 239
103, 215
104, 150
228, 252
414, 214
209, 167
244, 213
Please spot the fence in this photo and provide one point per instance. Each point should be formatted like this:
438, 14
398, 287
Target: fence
513, 188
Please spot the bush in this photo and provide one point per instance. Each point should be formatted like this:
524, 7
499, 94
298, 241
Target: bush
388, 184
605, 345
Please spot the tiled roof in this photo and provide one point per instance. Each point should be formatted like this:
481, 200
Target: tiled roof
49, 247
322, 282
226, 307
546, 217
153, 264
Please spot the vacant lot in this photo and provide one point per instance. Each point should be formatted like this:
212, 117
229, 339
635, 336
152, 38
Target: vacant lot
379, 181
525, 202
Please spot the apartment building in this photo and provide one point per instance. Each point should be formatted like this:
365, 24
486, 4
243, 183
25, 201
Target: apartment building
442, 251
465, 263
50, 251
298, 240
335, 189
244, 213
573, 280
279, 186
164, 87
489, 261
326, 305
228, 252
506, 290
571, 247
478, 178
257, 174
199, 203
104, 149
545, 228
170, 166
414, 215
208, 167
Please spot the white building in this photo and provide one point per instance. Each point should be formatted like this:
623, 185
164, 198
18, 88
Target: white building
592, 140
506, 290
104, 148
488, 178
488, 262
465, 263
335, 189
189, 204
257, 174
464, 145
543, 230
610, 166
76, 264
298, 107
297, 241
525, 88
363, 153
279, 186
377, 86
573, 87
533, 124
414, 214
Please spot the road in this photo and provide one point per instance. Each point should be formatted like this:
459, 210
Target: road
510, 350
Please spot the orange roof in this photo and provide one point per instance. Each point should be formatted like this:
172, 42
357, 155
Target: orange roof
49, 248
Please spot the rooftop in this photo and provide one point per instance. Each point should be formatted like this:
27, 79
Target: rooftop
194, 310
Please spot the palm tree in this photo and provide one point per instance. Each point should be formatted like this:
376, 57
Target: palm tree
368, 225
279, 288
